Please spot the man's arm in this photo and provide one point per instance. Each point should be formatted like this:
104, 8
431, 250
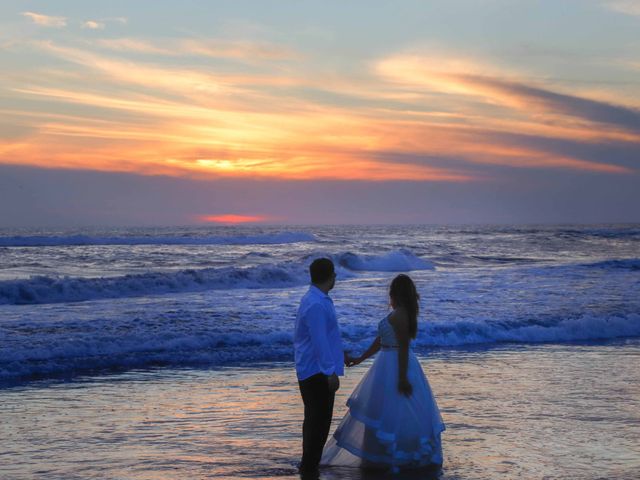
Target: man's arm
316, 319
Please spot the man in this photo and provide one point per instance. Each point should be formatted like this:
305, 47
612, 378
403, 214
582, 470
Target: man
319, 360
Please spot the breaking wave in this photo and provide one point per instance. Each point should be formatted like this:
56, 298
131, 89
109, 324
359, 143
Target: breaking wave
75, 347
396, 261
56, 289
79, 240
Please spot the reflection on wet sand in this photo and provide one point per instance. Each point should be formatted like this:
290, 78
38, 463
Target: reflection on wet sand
561, 411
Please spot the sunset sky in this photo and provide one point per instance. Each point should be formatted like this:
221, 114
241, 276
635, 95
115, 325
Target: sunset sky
298, 112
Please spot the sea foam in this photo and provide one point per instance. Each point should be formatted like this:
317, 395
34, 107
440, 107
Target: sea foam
395, 261
74, 347
579, 328
44, 289
79, 240
56, 289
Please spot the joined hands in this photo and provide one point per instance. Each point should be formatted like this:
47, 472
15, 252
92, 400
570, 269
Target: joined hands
350, 361
353, 362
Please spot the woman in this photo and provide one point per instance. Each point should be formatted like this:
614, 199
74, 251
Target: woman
393, 421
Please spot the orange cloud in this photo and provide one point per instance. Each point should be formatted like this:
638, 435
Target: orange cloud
160, 119
465, 78
240, 50
93, 25
45, 20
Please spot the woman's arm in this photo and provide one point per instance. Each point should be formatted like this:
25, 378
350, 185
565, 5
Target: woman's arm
400, 324
372, 350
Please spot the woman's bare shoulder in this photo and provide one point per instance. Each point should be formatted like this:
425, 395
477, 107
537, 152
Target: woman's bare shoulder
399, 320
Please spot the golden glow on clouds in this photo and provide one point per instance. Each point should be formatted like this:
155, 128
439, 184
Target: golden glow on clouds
106, 108
46, 20
93, 25
629, 7
247, 51
486, 84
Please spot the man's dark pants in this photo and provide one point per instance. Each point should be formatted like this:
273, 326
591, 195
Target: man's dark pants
318, 410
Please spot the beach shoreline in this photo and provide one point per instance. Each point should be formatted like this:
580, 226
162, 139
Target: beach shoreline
512, 411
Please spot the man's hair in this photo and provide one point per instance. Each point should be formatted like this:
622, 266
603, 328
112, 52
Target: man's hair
321, 270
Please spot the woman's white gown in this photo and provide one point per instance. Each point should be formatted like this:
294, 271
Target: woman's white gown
384, 428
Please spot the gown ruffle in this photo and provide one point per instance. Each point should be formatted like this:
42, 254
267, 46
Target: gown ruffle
384, 428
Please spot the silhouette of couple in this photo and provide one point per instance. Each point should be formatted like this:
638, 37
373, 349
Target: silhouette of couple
393, 421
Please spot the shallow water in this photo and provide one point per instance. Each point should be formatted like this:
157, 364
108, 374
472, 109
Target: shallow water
569, 411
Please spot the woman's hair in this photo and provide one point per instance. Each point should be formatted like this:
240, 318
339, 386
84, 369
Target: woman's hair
404, 294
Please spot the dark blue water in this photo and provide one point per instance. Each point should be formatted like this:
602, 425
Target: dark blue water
82, 301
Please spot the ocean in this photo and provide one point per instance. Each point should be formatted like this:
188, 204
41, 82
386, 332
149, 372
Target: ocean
118, 318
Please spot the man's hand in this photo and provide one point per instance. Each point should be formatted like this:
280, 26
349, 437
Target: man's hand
333, 382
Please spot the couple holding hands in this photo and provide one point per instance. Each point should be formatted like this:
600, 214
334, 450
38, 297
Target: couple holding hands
393, 420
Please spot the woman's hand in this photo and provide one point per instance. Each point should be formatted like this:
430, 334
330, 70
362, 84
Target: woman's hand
405, 387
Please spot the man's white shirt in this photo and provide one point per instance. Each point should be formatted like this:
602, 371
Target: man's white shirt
317, 342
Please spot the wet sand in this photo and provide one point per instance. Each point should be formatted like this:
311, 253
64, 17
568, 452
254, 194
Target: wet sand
512, 411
